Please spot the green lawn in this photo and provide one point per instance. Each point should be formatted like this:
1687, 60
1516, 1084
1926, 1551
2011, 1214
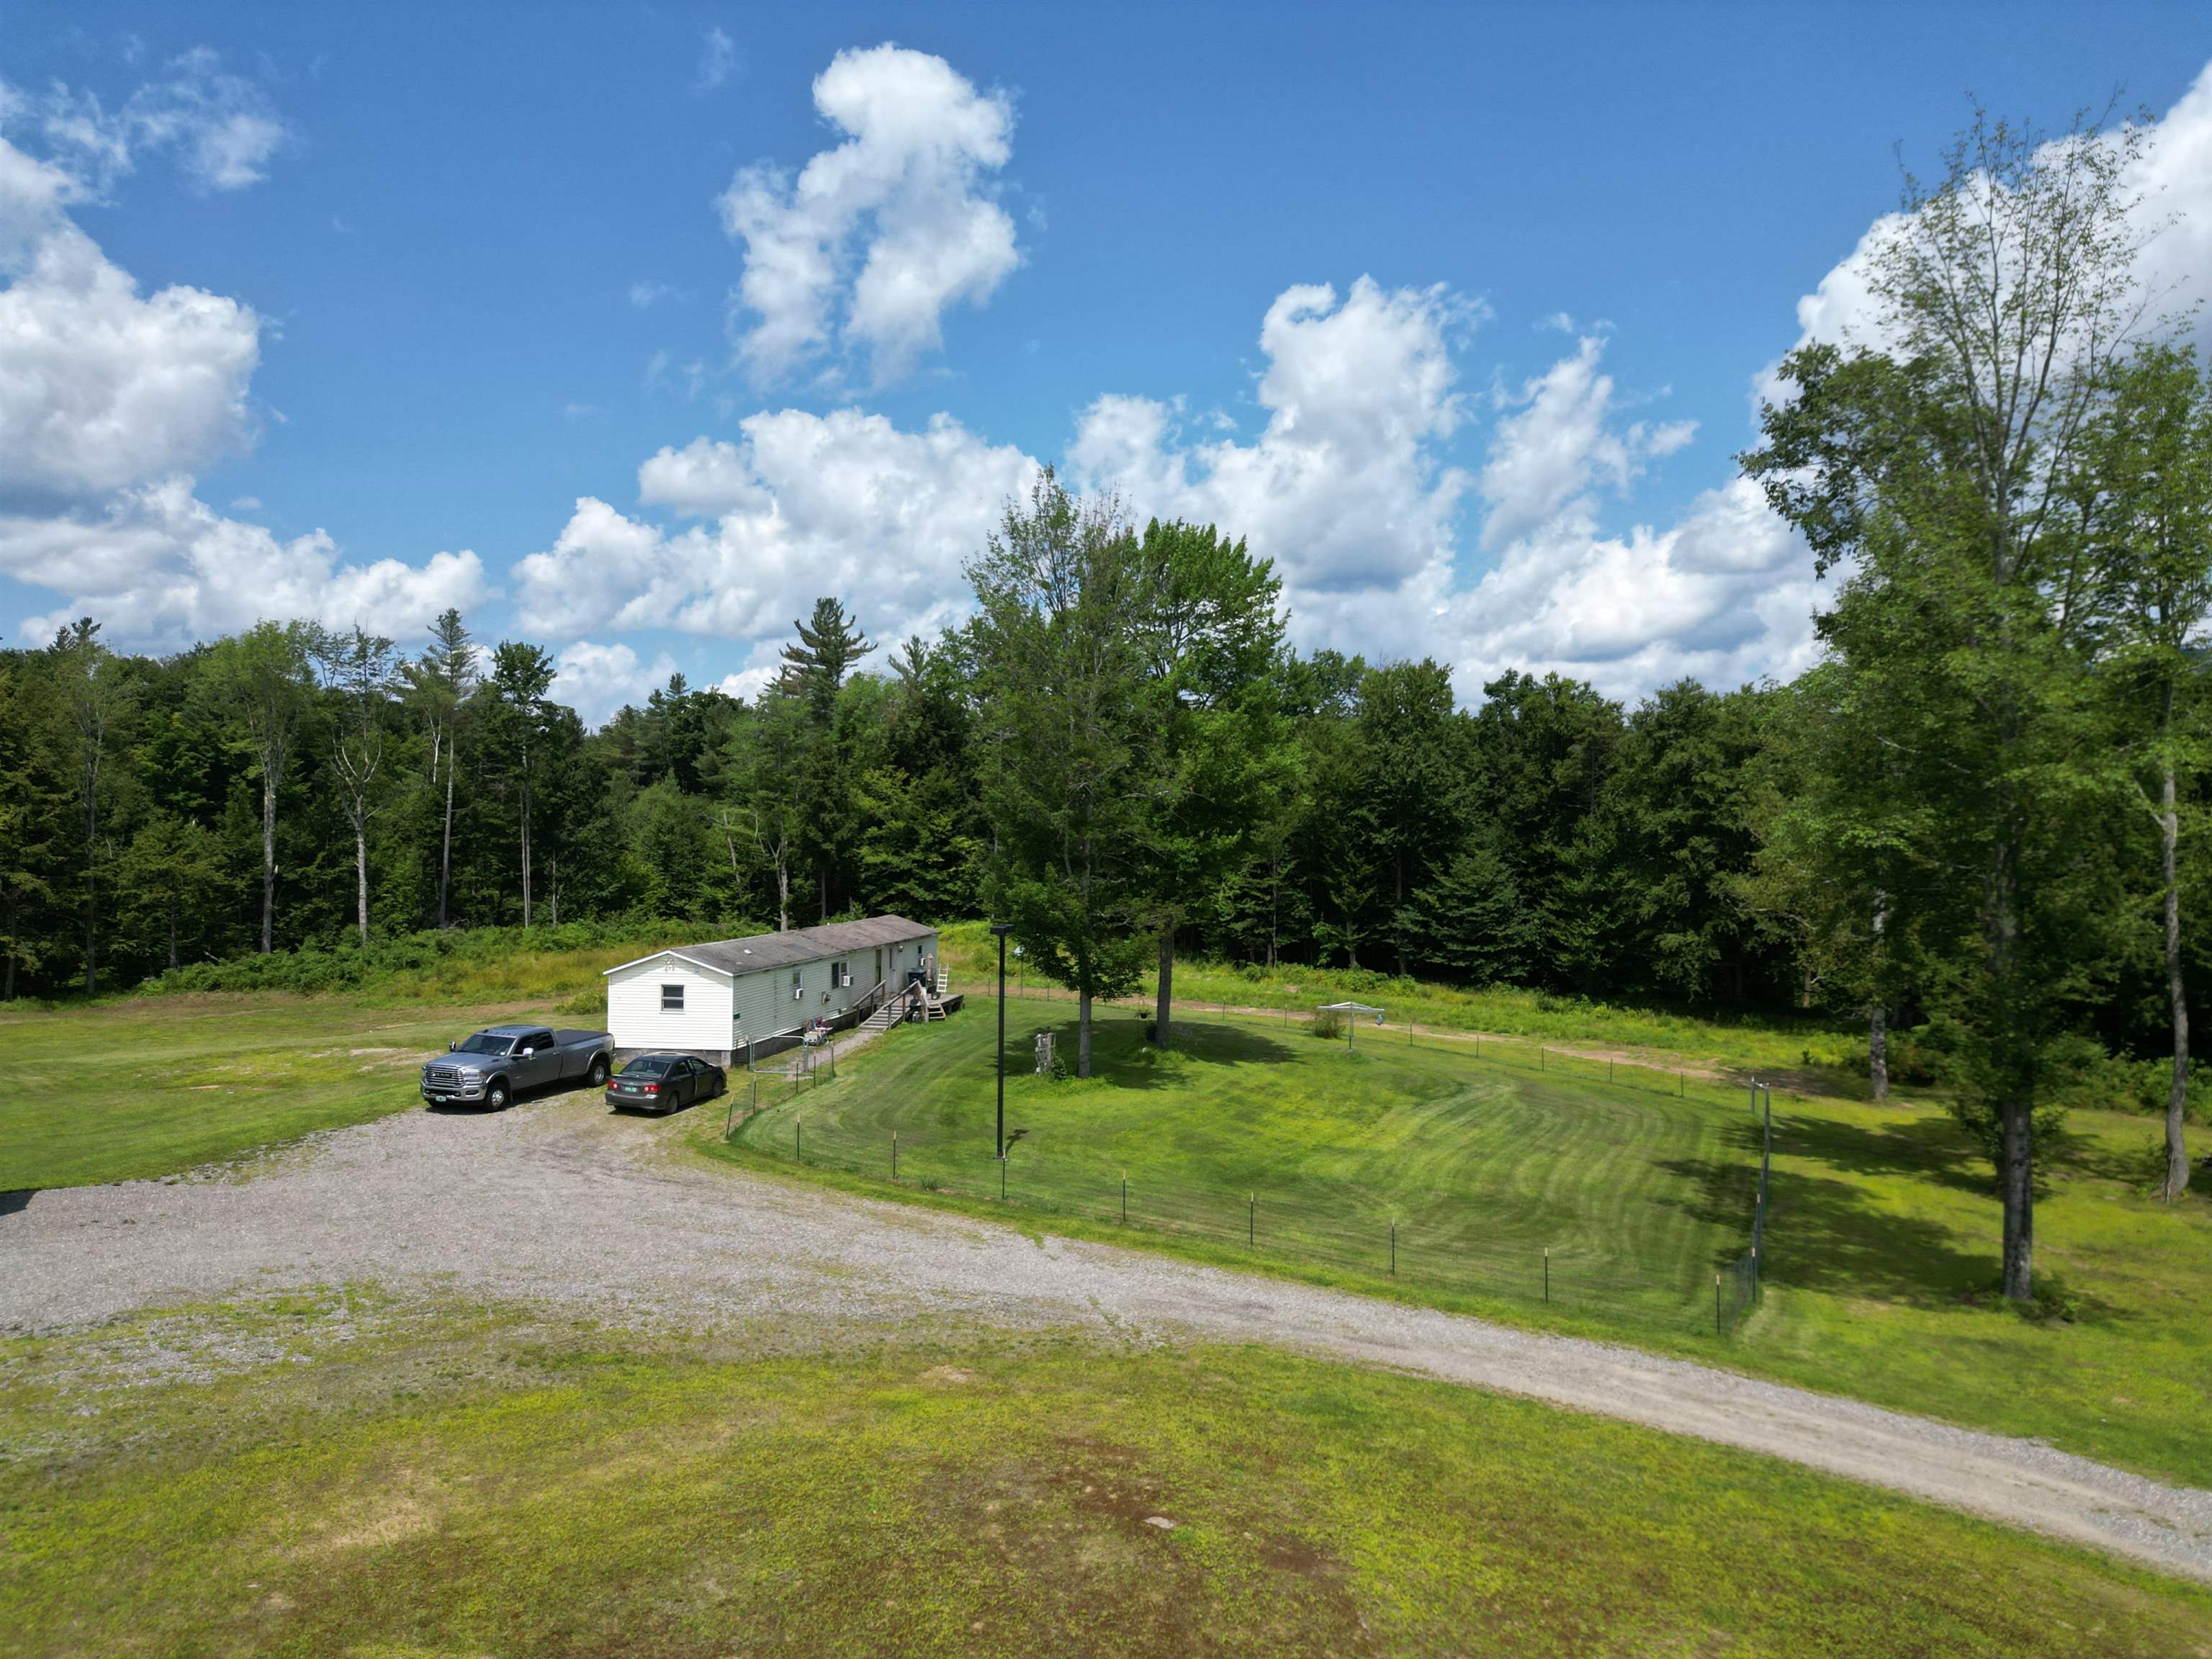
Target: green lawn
452, 1482
1813, 1048
1881, 1249
1882, 1259
1262, 1136
149, 1086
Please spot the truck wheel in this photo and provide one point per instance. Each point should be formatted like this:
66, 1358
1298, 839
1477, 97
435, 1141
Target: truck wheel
599, 1071
495, 1095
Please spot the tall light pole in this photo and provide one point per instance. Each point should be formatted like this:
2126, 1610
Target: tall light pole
999, 931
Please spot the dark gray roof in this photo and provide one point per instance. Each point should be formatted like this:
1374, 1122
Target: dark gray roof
801, 945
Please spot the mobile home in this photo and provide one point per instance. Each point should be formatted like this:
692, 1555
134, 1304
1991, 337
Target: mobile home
738, 999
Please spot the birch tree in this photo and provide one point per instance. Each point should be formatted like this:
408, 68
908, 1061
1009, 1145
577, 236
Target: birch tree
259, 684
440, 681
2147, 485
359, 671
521, 676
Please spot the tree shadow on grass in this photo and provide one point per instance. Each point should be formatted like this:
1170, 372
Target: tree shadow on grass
1829, 1235
1120, 1055
1923, 1148
1823, 1235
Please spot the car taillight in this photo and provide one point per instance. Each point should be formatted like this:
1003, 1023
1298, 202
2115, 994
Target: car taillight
653, 1088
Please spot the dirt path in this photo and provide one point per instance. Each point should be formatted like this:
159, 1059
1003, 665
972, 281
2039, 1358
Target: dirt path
555, 1200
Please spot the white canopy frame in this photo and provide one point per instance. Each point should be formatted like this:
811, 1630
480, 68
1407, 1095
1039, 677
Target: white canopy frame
1353, 1009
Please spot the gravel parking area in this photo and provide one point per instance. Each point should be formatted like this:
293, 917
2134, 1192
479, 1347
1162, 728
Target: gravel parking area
558, 1202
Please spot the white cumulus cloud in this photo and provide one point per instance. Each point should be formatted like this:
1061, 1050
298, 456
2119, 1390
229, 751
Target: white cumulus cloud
1561, 441
161, 568
100, 385
1345, 488
595, 679
110, 401
2170, 183
803, 505
1349, 491
875, 239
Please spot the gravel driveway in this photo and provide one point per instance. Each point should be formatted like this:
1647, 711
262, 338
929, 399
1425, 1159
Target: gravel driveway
555, 1200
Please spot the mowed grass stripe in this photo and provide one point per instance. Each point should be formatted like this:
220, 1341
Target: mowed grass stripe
1248, 1131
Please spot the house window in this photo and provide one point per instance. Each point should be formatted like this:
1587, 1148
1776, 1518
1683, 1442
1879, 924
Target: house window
838, 976
671, 999
798, 984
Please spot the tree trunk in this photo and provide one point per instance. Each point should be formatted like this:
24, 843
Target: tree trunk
525, 852
361, 879
173, 934
2016, 1105
445, 852
1164, 1004
2016, 1178
8, 986
1397, 904
91, 896
1083, 1033
267, 860
1878, 1051
2176, 1097
553, 898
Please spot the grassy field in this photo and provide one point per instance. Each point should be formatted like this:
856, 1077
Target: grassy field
1262, 1136
347, 1476
1882, 1243
1880, 1266
149, 1086
1811, 1050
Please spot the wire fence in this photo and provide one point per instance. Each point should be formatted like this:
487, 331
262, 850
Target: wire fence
1737, 1287
1466, 1251
1545, 1060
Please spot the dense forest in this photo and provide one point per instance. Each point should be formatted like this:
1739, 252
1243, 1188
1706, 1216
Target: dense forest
1971, 822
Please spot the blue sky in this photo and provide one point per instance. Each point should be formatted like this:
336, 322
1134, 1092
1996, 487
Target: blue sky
302, 299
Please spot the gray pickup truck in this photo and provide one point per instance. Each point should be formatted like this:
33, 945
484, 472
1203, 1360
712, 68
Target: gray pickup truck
497, 1064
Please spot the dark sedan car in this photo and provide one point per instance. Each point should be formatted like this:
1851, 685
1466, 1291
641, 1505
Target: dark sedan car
661, 1083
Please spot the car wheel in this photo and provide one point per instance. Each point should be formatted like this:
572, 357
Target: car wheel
495, 1096
599, 1072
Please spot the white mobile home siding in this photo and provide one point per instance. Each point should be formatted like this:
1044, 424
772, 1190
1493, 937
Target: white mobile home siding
761, 1015
637, 1021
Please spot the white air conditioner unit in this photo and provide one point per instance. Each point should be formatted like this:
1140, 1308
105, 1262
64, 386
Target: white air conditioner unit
844, 982
798, 993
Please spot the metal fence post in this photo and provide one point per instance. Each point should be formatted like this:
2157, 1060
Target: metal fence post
895, 1155
1252, 1219
1718, 1330
1547, 1273
795, 1153
1394, 1250
1125, 1198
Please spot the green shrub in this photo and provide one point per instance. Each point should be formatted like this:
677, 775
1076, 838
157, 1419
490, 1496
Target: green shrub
1328, 1024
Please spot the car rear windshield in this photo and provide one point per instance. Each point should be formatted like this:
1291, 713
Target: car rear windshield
482, 1044
645, 1068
